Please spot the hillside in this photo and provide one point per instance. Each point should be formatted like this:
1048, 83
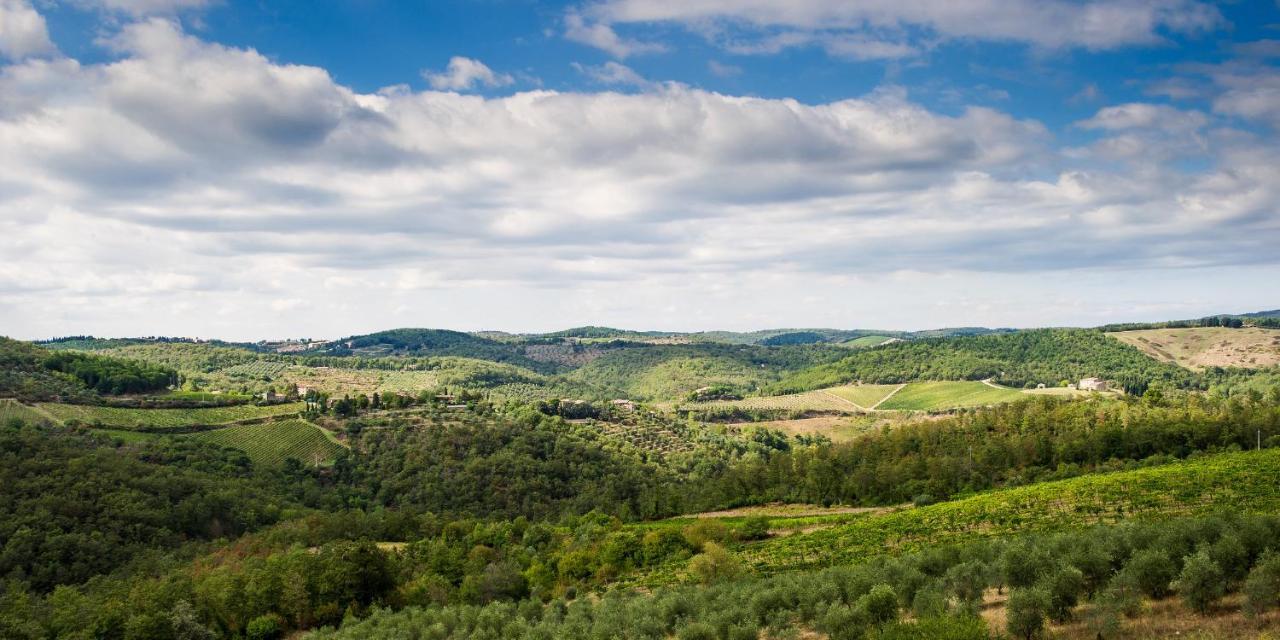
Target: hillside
1199, 348
433, 342
1039, 356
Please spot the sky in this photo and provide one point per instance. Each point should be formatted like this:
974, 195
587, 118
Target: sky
250, 169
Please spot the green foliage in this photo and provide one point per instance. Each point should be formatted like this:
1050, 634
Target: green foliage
1025, 615
715, 564
1153, 572
1262, 587
76, 506
933, 396
110, 375
1201, 582
1014, 359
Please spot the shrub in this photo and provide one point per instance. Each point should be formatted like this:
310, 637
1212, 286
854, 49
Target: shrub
843, 623
715, 564
1024, 617
1063, 587
753, 528
1201, 582
1152, 571
267, 627
1262, 587
880, 605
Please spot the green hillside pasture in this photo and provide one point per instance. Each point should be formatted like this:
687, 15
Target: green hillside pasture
937, 396
865, 342
863, 395
271, 443
809, 401
410, 382
11, 409
163, 419
1238, 482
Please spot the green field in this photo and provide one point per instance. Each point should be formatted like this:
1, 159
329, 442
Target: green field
161, 419
937, 396
1239, 482
863, 395
866, 341
10, 409
271, 443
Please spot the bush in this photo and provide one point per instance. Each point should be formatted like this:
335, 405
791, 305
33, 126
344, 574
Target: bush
1262, 587
715, 564
930, 602
1152, 571
843, 623
1201, 582
267, 627
1024, 617
754, 528
880, 605
1063, 587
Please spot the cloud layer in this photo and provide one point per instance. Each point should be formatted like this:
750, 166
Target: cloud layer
186, 174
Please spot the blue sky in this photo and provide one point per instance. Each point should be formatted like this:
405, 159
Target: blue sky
263, 169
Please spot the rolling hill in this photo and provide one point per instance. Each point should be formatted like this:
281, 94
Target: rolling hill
1202, 347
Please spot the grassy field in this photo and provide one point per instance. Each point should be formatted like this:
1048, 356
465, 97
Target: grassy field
1208, 346
271, 443
938, 396
866, 341
863, 395
1242, 482
11, 409
161, 419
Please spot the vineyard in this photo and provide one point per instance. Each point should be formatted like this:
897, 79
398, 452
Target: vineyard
256, 370
271, 443
938, 396
14, 410
655, 438
162, 419
863, 395
1239, 482
809, 401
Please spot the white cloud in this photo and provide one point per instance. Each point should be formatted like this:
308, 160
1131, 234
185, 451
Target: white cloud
465, 73
1140, 115
186, 175
874, 29
723, 70
140, 8
23, 32
603, 37
612, 73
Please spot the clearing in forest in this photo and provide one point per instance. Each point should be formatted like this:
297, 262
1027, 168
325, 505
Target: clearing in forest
938, 396
271, 443
1200, 347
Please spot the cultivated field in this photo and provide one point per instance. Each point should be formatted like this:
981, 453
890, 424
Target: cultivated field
938, 396
12, 409
866, 341
866, 396
271, 443
1202, 347
161, 419
808, 401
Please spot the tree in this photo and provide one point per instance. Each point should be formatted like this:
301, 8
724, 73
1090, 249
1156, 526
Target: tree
1201, 582
880, 604
1026, 611
1152, 571
1063, 586
1262, 587
715, 564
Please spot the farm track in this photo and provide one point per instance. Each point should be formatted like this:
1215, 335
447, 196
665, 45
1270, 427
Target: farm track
845, 400
876, 406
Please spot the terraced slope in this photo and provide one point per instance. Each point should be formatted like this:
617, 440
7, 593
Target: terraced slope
271, 443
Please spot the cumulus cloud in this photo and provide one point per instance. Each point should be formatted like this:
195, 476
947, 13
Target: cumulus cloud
603, 37
185, 176
875, 29
23, 32
465, 73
